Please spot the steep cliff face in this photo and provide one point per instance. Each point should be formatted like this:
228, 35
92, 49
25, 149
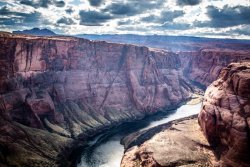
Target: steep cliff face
225, 116
204, 66
70, 86
113, 81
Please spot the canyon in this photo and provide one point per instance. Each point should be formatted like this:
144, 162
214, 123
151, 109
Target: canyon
56, 92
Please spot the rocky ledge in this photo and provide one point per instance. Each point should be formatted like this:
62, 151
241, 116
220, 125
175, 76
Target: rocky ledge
180, 142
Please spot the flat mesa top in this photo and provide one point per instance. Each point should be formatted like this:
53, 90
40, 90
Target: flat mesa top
31, 37
70, 39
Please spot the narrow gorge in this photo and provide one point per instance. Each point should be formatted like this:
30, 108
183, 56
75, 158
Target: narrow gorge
58, 92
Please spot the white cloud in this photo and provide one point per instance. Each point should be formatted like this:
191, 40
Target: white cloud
132, 23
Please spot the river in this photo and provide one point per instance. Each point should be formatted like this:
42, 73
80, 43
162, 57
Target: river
105, 150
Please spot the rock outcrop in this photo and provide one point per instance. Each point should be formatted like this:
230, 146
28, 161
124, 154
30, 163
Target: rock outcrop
225, 116
179, 143
24, 146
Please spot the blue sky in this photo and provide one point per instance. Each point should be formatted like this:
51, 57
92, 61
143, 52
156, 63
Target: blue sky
208, 18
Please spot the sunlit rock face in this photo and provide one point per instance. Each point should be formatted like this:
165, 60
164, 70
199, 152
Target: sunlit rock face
72, 86
225, 116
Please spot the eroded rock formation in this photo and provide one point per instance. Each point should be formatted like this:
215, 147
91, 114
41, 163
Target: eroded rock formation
24, 146
179, 143
71, 86
225, 117
113, 81
203, 67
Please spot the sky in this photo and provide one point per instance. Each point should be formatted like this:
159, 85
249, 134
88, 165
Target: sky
205, 18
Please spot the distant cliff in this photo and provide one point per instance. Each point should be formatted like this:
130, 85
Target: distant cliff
204, 66
173, 43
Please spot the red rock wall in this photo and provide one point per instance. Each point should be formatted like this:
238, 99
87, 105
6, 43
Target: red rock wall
225, 116
83, 85
204, 67
54, 77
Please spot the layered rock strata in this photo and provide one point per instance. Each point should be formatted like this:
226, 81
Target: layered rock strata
204, 66
73, 87
225, 116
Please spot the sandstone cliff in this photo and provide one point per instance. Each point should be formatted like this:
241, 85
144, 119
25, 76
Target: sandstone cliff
204, 66
225, 117
70, 86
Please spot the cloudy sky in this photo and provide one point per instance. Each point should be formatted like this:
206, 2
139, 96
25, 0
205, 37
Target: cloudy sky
209, 18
